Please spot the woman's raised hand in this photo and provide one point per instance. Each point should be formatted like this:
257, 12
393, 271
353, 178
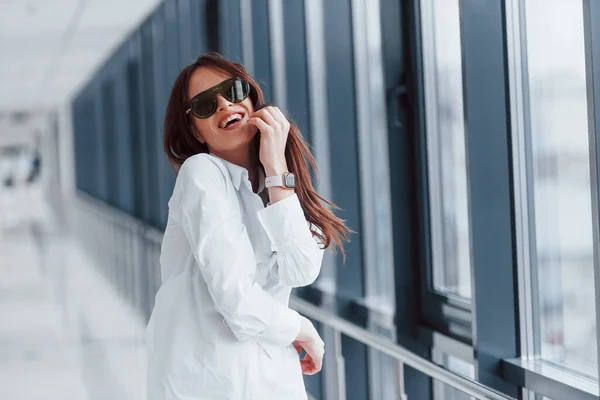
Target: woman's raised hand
309, 340
274, 129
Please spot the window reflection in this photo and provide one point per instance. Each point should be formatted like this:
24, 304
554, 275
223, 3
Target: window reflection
559, 153
442, 391
446, 147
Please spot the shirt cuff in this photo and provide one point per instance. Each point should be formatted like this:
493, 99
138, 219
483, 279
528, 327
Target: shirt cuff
285, 330
283, 220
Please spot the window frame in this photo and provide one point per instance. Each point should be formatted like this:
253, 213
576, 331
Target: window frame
489, 177
492, 319
448, 314
591, 21
375, 193
529, 371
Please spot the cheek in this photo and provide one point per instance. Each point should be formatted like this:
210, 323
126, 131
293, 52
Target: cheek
203, 127
247, 104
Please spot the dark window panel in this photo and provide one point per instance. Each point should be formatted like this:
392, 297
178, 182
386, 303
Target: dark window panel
123, 135
110, 145
148, 102
138, 147
211, 24
185, 22
229, 28
343, 143
165, 71
262, 47
296, 65
490, 194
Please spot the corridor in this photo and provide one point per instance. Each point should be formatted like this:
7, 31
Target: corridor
65, 334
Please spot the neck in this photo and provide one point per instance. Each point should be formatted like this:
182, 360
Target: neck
247, 158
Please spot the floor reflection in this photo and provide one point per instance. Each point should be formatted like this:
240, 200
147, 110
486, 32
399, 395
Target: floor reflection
64, 332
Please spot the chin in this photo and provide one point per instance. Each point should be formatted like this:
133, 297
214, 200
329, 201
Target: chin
249, 130
244, 135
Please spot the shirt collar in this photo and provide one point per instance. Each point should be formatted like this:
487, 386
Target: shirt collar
239, 174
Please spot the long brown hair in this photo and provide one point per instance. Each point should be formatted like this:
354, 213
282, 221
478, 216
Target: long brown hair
181, 143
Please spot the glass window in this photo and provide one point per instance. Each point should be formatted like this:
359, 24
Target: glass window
457, 365
446, 147
110, 144
559, 188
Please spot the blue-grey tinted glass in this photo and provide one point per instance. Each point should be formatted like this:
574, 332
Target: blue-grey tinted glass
446, 148
560, 170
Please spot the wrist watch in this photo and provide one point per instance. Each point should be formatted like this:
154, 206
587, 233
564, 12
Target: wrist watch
286, 180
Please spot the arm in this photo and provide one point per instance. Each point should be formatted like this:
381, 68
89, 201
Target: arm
212, 223
299, 254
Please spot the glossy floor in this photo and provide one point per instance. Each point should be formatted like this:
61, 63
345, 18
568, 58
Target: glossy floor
64, 332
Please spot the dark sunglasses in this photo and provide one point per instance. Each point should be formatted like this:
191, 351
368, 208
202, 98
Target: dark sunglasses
204, 104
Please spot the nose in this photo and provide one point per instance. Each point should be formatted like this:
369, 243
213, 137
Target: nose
222, 102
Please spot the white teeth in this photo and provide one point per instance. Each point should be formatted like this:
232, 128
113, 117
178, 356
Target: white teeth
230, 118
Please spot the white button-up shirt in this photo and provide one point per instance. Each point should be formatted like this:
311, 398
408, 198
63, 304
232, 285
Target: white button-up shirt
221, 327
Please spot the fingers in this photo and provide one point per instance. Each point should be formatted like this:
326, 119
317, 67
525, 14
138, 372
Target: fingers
298, 347
284, 121
262, 126
278, 115
314, 347
313, 361
310, 366
267, 115
274, 119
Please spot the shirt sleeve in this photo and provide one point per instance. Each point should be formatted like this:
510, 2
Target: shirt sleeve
299, 254
212, 223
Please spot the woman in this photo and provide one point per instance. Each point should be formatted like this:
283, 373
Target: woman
245, 226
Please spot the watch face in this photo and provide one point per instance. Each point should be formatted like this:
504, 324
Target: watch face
289, 180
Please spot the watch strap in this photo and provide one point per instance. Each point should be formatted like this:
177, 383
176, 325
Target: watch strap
276, 180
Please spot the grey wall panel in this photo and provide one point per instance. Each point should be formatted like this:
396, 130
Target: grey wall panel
161, 65
123, 134
402, 62
296, 65
343, 142
198, 37
85, 162
150, 121
490, 189
230, 28
172, 70
210, 25
109, 166
172, 43
138, 146
262, 47
343, 138
184, 25
97, 127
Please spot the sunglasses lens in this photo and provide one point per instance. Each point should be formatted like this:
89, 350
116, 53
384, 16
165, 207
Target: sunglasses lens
237, 90
204, 107
205, 104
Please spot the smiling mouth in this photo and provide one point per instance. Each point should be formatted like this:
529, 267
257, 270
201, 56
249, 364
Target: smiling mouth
231, 121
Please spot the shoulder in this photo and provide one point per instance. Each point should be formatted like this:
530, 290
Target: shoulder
202, 190
203, 169
201, 178
201, 162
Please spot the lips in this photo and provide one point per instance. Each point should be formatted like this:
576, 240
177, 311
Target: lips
227, 118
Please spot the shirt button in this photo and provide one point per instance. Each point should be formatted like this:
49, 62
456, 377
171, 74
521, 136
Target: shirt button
225, 322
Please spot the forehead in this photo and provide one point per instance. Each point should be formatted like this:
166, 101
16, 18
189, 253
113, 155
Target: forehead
204, 78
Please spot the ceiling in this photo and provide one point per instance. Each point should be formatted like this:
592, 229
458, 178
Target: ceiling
48, 48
